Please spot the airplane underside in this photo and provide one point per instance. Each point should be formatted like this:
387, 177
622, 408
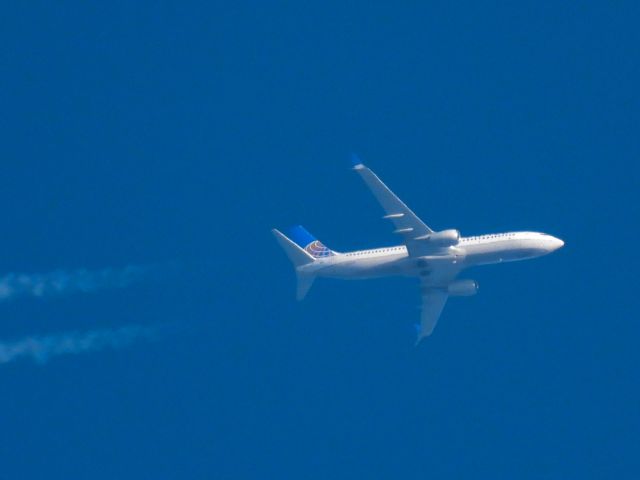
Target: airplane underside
434, 257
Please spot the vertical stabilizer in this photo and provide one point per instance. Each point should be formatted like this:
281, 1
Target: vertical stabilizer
299, 257
296, 254
309, 243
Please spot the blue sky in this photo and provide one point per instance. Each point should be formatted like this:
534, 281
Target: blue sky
163, 134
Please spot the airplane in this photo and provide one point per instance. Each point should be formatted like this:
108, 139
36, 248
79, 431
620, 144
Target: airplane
434, 257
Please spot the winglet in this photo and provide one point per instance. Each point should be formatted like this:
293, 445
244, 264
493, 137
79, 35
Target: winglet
419, 336
356, 162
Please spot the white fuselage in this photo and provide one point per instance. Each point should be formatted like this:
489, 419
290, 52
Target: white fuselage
470, 251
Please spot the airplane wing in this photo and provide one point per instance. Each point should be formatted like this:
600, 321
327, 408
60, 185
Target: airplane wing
405, 221
433, 302
434, 296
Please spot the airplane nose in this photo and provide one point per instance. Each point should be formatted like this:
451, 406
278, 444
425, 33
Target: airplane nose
557, 243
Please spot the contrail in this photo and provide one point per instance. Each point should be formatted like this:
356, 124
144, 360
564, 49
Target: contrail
61, 282
41, 348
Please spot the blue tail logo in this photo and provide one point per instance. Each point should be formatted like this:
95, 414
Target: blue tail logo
309, 243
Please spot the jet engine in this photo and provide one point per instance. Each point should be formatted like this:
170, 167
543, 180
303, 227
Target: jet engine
463, 288
445, 238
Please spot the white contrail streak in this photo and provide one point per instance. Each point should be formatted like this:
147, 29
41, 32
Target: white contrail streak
61, 282
41, 348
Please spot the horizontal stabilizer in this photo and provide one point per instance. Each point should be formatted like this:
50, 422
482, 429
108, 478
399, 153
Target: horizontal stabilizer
305, 281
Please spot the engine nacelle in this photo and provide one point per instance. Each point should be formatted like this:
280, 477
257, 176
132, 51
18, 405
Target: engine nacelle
445, 238
463, 288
